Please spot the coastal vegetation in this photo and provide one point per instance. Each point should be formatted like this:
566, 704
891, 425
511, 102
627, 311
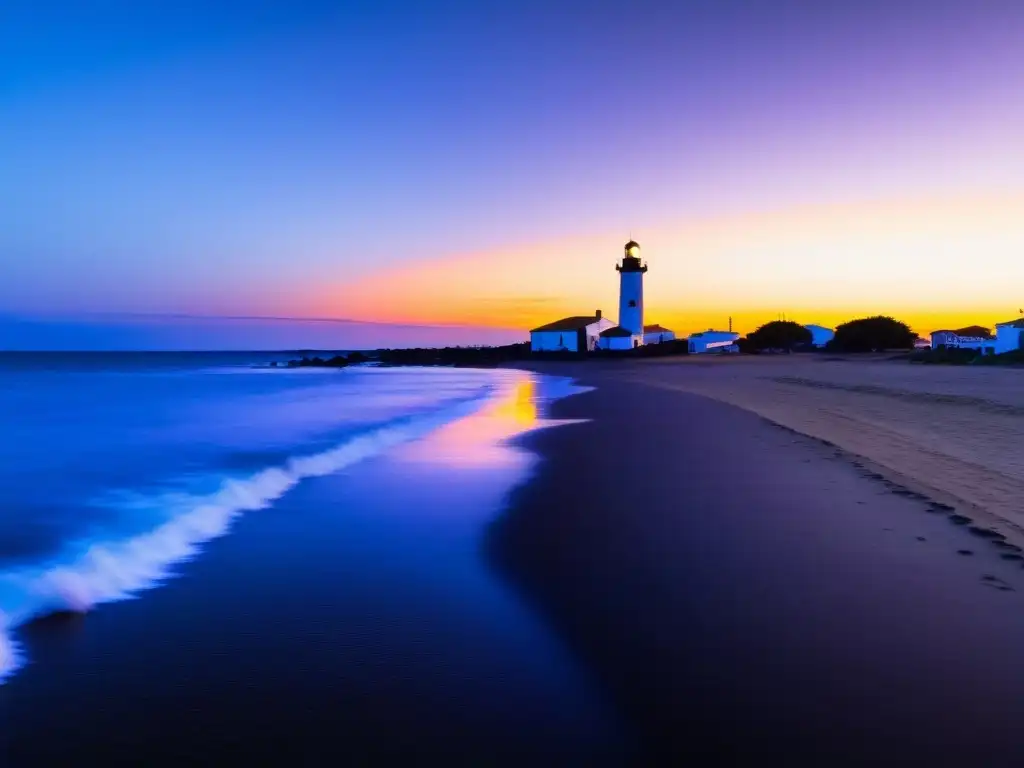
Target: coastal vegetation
783, 335
872, 334
472, 357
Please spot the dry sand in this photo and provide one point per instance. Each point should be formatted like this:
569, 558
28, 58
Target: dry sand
955, 433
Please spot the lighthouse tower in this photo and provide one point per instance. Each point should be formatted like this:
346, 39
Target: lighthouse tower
631, 289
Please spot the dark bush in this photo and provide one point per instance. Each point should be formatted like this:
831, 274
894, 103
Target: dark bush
779, 334
872, 334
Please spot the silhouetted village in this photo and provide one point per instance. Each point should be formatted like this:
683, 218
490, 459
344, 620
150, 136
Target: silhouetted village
596, 336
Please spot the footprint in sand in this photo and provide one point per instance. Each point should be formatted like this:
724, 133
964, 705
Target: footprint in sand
986, 533
996, 583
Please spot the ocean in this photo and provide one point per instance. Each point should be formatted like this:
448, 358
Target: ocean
184, 487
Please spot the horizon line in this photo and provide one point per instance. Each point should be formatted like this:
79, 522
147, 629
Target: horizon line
247, 318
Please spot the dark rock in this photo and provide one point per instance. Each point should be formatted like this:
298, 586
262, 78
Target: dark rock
959, 519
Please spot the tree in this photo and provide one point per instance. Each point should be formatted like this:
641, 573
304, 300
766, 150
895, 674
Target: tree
779, 334
873, 334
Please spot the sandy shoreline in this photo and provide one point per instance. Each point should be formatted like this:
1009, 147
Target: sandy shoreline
746, 592
954, 433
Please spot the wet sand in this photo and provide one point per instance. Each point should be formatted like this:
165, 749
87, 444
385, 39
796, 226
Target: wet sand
745, 592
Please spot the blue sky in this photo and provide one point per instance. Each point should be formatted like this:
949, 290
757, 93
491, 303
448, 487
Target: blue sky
230, 158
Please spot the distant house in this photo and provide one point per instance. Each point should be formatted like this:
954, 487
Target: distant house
656, 334
618, 337
713, 341
820, 335
570, 334
920, 343
972, 337
1009, 336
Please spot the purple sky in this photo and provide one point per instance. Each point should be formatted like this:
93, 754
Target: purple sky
232, 158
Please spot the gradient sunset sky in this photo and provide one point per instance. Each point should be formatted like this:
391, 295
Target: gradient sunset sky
478, 166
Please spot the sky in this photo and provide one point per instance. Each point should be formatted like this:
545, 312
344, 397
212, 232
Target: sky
457, 172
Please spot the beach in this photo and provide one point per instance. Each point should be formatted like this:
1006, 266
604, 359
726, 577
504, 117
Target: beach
746, 592
608, 572
953, 432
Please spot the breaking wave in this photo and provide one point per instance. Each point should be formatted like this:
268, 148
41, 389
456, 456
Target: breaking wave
113, 570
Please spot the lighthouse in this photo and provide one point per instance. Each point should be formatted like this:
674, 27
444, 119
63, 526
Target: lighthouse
631, 289
587, 333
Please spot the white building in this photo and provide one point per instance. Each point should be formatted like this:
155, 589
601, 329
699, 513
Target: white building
588, 332
820, 335
1009, 336
972, 337
656, 334
570, 334
620, 338
713, 341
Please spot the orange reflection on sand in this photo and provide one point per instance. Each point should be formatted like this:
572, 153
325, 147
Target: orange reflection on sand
480, 440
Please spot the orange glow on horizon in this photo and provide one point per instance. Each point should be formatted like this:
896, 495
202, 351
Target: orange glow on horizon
931, 263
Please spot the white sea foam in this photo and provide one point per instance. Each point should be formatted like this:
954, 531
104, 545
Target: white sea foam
109, 571
9, 655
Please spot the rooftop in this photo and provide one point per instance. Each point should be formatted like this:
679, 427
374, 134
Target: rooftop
712, 332
575, 323
617, 331
655, 328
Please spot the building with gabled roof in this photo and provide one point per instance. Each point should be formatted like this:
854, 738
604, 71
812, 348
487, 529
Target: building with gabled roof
620, 338
579, 333
972, 337
657, 334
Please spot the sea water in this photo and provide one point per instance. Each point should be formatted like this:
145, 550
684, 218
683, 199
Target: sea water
115, 470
